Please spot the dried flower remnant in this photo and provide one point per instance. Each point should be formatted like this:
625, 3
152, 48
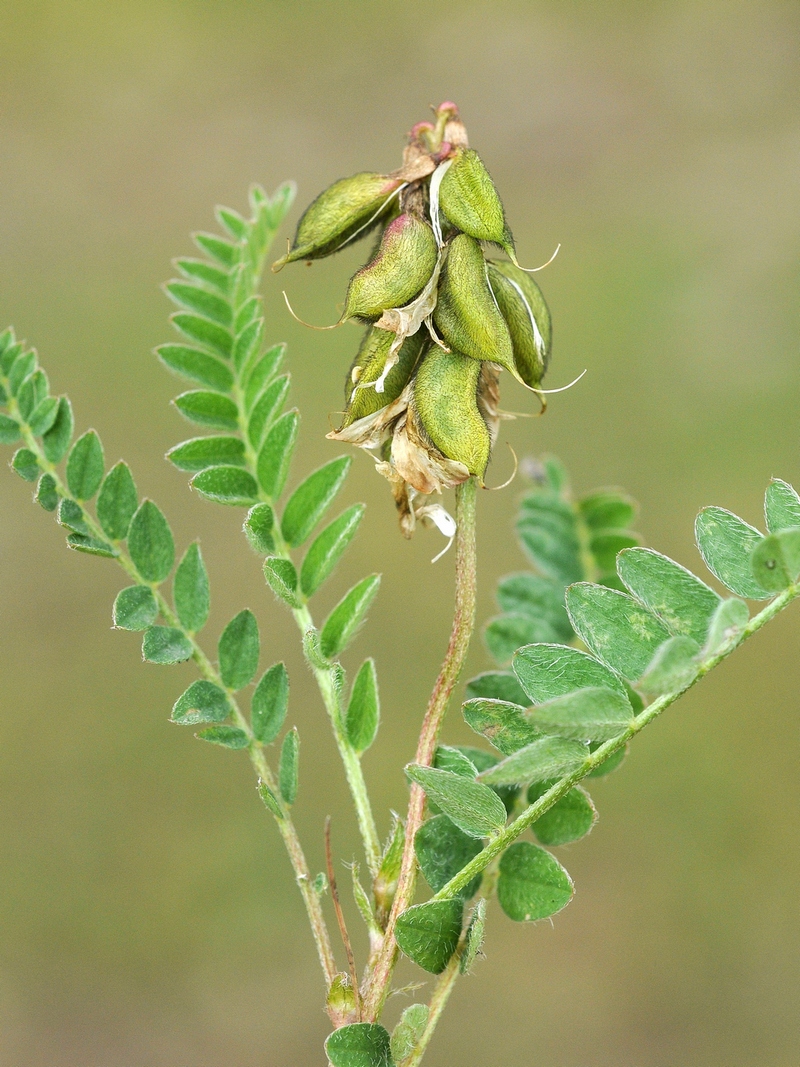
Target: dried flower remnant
422, 392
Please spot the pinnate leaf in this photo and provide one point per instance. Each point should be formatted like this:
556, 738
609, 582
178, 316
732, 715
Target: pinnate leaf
201, 702
117, 502
359, 1045
238, 650
85, 466
619, 631
227, 485
473, 807
682, 602
190, 590
150, 543
327, 549
532, 884
726, 544
135, 608
428, 933
363, 710
166, 644
269, 704
344, 621
310, 500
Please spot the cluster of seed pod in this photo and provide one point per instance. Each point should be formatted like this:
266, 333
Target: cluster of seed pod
442, 318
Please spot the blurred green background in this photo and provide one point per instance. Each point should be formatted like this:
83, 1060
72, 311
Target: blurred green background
149, 918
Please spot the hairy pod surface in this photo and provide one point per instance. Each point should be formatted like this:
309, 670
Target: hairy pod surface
360, 394
466, 315
468, 199
403, 264
338, 213
446, 402
528, 319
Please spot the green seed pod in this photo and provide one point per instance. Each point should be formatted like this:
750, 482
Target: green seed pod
446, 403
522, 304
404, 263
362, 399
348, 207
466, 314
468, 198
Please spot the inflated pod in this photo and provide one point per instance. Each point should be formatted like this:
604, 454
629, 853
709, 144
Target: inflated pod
339, 213
466, 315
362, 399
445, 400
403, 265
527, 317
468, 198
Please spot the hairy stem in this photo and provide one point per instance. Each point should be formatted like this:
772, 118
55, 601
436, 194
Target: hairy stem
441, 994
463, 623
500, 842
285, 825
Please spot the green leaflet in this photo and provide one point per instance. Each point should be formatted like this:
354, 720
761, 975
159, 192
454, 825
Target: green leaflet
505, 633
190, 590
135, 608
226, 736
428, 933
569, 819
276, 454
9, 430
238, 650
359, 1045
85, 466
536, 597
259, 526
228, 485
197, 366
726, 543
532, 884
672, 667
327, 549
150, 543
43, 415
547, 671
260, 373
46, 492
363, 710
269, 704
619, 631
311, 499
202, 452
442, 849
266, 407
205, 303
408, 1032
473, 807
208, 409
165, 644
591, 714
217, 248
31, 393
232, 221
607, 509
281, 576
71, 515
201, 702
25, 464
91, 546
547, 529
57, 439
677, 597
729, 620
781, 506
202, 271
775, 561
209, 334
347, 617
497, 685
117, 502
502, 723
449, 758
251, 333
473, 941
546, 757
288, 767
